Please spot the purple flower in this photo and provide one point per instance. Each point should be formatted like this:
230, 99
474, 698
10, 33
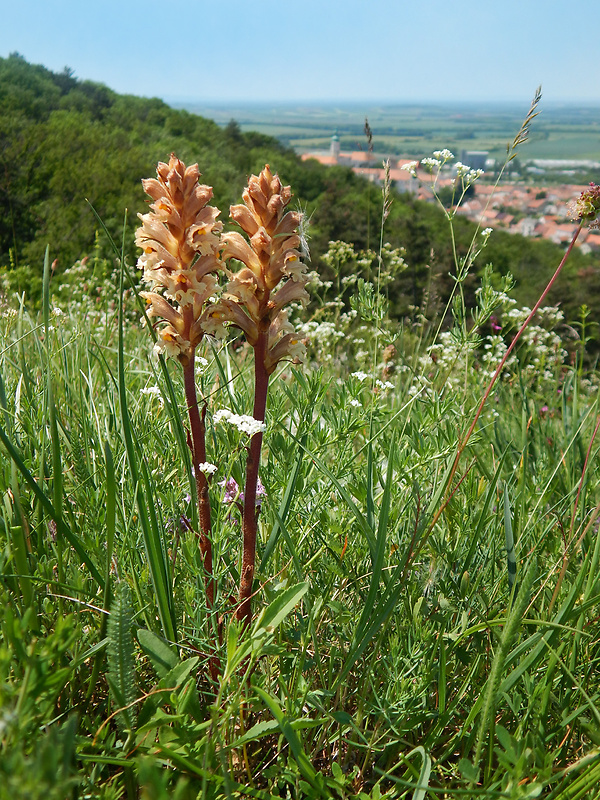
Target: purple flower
232, 491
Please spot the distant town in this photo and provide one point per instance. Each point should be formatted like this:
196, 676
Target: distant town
514, 206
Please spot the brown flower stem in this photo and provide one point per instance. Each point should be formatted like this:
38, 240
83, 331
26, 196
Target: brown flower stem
249, 519
198, 448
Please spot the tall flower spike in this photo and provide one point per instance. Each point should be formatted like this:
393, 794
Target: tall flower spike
254, 299
180, 240
272, 277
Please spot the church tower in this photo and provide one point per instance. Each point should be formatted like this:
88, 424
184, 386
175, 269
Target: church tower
334, 149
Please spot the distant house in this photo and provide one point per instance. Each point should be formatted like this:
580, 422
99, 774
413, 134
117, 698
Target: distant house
363, 163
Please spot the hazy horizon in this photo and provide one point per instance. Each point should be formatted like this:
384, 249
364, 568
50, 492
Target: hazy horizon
381, 51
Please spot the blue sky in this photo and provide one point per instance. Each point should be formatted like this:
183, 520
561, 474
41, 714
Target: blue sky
275, 50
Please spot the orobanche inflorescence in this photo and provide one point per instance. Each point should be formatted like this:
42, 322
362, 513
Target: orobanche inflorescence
273, 276
184, 253
181, 242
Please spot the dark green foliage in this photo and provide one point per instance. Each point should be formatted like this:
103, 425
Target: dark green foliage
66, 144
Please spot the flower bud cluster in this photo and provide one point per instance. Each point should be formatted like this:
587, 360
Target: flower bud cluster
180, 240
587, 206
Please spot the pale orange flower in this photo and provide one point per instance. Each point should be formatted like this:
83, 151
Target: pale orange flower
181, 242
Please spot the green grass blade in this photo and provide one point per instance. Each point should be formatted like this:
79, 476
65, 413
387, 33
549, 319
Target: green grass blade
157, 557
62, 527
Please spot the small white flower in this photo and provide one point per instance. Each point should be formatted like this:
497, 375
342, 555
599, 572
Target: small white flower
361, 376
152, 390
243, 422
384, 384
486, 231
411, 167
430, 163
207, 468
356, 403
443, 155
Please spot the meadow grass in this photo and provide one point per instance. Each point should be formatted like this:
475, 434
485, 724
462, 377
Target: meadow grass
426, 593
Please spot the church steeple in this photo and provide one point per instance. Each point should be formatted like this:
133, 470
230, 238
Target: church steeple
334, 148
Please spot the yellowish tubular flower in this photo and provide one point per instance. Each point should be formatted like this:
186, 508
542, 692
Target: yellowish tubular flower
273, 274
180, 239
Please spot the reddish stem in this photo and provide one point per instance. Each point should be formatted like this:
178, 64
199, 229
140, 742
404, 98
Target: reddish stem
250, 516
198, 448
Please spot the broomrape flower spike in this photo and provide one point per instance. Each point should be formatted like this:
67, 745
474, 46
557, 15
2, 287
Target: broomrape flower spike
272, 277
180, 239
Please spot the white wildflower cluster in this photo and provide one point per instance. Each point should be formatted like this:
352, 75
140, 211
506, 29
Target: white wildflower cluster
431, 163
466, 174
443, 155
322, 332
243, 422
540, 351
153, 391
486, 232
494, 349
338, 254
589, 385
359, 375
314, 281
548, 316
207, 468
411, 167
421, 385
356, 403
447, 356
384, 385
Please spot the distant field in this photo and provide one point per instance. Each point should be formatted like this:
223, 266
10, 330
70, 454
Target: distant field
560, 132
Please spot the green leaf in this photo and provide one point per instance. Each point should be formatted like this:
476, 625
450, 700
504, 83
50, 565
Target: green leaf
158, 651
279, 608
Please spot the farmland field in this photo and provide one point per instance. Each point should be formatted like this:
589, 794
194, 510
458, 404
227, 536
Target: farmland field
560, 132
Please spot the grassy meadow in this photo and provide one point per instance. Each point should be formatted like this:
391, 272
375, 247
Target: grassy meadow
425, 601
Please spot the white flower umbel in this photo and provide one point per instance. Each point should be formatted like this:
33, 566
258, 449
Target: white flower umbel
207, 468
443, 155
361, 376
411, 167
243, 422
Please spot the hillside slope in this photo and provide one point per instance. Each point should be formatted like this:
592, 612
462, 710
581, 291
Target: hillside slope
66, 144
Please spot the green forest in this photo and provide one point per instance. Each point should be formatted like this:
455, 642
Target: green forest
67, 146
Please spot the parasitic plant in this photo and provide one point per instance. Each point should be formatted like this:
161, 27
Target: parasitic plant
183, 252
180, 239
272, 277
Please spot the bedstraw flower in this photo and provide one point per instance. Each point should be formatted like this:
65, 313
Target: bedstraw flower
180, 238
272, 275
